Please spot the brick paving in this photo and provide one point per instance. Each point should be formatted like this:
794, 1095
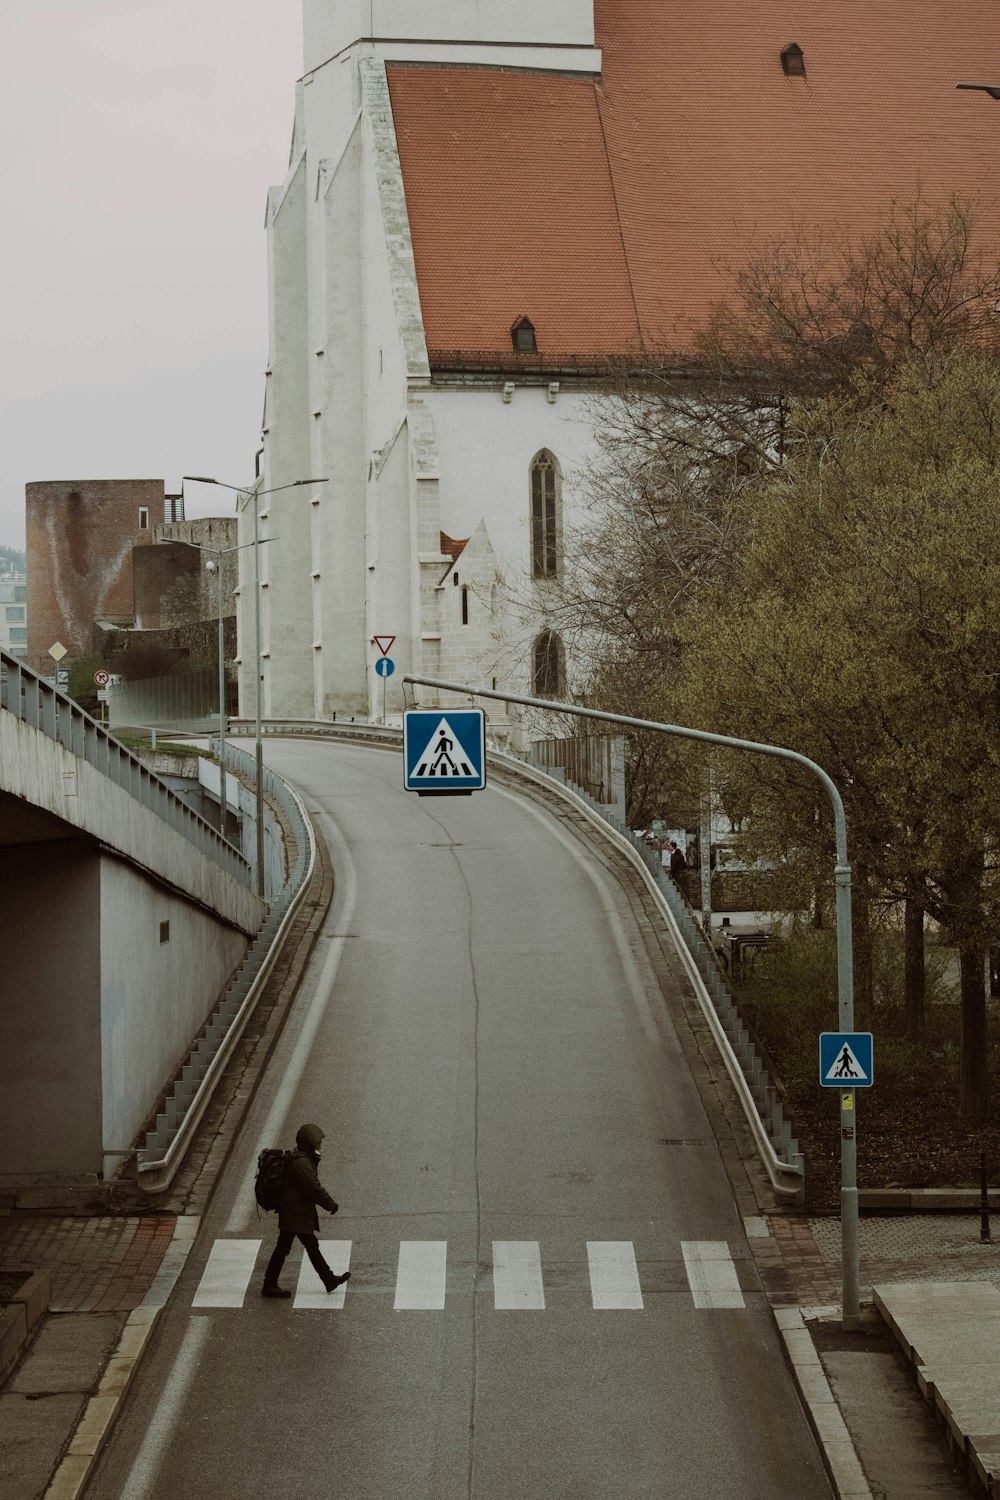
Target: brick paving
912, 1247
97, 1264
803, 1261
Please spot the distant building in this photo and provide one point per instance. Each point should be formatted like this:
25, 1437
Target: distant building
80, 539
14, 614
172, 586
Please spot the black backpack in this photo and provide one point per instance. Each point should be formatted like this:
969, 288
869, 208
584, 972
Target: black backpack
269, 1184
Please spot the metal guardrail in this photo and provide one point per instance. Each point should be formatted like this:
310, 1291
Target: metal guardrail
36, 702
188, 1097
772, 1133
344, 729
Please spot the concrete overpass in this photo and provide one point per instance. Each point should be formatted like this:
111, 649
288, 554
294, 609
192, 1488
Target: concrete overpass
124, 916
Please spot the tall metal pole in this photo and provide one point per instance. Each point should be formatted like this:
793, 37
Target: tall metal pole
258, 746
222, 709
845, 951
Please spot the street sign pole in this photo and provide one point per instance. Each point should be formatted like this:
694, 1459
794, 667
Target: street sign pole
850, 1295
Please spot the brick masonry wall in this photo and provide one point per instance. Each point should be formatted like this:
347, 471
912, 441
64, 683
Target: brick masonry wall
80, 536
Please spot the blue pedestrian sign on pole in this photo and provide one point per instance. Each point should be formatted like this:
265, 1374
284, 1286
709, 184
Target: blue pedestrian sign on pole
846, 1059
444, 750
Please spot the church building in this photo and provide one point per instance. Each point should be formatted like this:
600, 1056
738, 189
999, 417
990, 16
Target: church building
487, 205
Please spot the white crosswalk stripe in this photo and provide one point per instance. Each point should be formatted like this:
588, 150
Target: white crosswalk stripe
518, 1284
310, 1291
712, 1273
614, 1276
421, 1274
227, 1275
517, 1275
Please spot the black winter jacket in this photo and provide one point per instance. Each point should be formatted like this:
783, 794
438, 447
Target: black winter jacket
302, 1191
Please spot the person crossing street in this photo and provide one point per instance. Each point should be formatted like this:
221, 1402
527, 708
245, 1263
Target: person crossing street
297, 1216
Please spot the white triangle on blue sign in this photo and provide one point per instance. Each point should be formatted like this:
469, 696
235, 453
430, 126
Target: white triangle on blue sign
442, 756
845, 1068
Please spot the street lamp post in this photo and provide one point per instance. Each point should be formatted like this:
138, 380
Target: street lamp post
993, 89
210, 566
243, 493
217, 567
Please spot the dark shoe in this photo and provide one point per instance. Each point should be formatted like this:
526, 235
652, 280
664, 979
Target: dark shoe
336, 1281
272, 1289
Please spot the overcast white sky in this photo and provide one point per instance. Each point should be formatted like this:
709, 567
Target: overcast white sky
140, 137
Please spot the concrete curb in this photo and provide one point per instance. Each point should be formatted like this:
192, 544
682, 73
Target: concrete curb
69, 1479
22, 1316
925, 1200
960, 1385
842, 1462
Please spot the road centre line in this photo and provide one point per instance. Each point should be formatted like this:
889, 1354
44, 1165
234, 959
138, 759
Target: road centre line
161, 1428
633, 978
711, 1273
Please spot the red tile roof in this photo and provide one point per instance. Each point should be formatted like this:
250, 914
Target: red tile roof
605, 210
453, 546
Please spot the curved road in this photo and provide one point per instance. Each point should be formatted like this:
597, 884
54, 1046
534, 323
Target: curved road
544, 1304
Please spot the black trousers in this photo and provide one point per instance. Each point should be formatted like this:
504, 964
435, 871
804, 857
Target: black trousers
281, 1249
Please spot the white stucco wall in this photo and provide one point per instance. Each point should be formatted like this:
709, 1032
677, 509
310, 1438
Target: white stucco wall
405, 460
486, 447
96, 1014
331, 25
287, 631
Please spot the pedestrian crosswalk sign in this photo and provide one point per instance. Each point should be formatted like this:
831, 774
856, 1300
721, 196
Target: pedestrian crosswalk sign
846, 1059
444, 750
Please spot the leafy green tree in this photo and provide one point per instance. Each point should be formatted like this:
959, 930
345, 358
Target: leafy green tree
689, 443
862, 631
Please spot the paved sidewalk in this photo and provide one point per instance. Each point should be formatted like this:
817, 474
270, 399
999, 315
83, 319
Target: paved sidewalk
97, 1265
914, 1247
949, 1333
103, 1271
866, 1385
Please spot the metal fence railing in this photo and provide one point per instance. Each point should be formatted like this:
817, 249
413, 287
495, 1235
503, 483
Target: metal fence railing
188, 1096
595, 762
186, 699
30, 698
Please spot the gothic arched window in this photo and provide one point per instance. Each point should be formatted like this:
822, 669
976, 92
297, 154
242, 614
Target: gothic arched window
545, 499
546, 665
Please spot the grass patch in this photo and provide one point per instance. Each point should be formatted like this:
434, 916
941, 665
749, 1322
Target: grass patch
11, 1282
142, 742
910, 1134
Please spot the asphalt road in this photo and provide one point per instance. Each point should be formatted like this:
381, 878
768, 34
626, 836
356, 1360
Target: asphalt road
552, 1297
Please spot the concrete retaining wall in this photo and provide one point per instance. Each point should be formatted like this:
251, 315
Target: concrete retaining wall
96, 1012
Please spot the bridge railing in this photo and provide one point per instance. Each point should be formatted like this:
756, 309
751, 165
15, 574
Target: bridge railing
36, 702
190, 1093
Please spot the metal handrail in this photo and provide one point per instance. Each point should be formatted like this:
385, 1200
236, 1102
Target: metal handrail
33, 700
166, 1144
